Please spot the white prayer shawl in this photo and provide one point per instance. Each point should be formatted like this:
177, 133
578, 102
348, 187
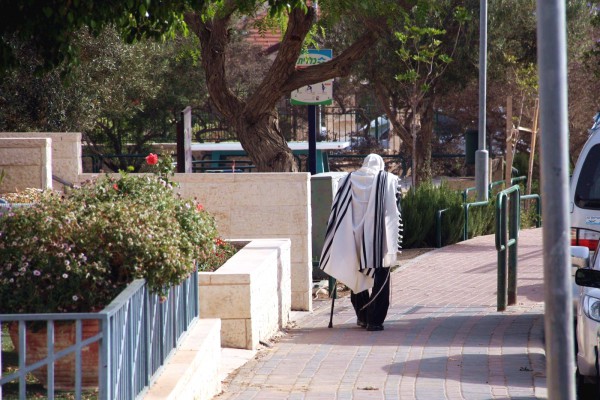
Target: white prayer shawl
362, 231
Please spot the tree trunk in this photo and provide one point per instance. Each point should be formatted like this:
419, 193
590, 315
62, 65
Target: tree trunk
265, 144
423, 148
414, 132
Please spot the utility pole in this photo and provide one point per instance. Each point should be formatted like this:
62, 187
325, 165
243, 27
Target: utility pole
558, 321
481, 155
312, 138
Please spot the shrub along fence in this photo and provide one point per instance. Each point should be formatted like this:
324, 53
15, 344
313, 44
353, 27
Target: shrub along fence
138, 332
435, 216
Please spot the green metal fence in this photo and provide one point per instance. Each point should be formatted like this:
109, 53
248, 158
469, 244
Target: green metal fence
508, 212
467, 207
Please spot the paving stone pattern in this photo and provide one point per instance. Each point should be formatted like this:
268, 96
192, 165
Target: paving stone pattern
443, 337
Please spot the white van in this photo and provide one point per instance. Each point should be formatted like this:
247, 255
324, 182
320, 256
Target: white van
585, 192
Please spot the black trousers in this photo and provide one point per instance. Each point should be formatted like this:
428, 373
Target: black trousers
374, 313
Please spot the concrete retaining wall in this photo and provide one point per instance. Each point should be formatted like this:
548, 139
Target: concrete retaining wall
66, 152
262, 205
250, 293
25, 163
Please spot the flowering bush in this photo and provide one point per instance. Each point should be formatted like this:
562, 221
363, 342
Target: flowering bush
75, 252
220, 253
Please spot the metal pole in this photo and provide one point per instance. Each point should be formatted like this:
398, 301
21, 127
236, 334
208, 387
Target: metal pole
513, 237
481, 155
312, 139
558, 321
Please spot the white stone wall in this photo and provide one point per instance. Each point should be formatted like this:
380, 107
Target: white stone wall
26, 163
250, 293
66, 152
262, 205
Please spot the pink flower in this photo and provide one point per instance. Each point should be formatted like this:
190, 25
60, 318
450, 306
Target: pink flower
152, 159
116, 187
199, 207
37, 273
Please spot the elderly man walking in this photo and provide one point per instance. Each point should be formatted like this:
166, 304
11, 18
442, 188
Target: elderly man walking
363, 239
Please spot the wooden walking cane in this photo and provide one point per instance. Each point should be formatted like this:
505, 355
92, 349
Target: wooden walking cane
333, 295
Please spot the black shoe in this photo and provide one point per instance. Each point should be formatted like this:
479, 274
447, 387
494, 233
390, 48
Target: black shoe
360, 323
373, 328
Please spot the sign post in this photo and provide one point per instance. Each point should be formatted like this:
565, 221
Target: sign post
184, 141
312, 96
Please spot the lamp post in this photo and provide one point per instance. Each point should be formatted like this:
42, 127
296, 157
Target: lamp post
481, 155
558, 321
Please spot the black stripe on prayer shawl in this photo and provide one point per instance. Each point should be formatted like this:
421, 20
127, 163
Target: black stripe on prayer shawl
379, 226
340, 206
335, 211
345, 205
381, 223
336, 205
376, 219
363, 255
346, 202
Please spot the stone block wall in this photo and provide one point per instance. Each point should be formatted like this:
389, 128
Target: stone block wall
262, 205
250, 293
25, 163
66, 152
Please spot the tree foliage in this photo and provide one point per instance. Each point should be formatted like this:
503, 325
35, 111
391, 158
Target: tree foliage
49, 32
50, 27
122, 97
416, 60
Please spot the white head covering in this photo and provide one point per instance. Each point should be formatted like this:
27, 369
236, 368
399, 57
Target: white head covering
372, 164
362, 182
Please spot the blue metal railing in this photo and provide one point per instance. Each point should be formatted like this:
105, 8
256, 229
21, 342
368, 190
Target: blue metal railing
138, 333
467, 206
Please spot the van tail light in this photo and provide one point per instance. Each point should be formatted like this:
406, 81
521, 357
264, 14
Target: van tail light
585, 237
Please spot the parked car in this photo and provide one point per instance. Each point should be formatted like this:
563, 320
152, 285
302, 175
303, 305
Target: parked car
580, 258
587, 326
585, 192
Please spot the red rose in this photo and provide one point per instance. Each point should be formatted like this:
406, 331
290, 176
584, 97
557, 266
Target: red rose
152, 159
116, 187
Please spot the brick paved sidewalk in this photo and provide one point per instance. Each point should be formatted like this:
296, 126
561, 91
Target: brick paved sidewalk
443, 337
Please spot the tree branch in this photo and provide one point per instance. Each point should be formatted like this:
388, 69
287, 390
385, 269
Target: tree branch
214, 39
283, 67
337, 67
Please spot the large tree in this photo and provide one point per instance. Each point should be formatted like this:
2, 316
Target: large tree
253, 116
421, 56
